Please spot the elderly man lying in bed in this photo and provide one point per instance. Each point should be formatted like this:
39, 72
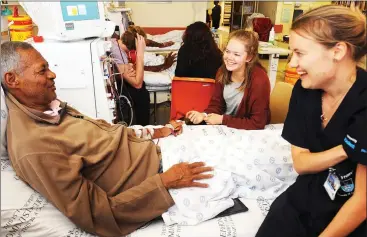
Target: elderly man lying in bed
101, 176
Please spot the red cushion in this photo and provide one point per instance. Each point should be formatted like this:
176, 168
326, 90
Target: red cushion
190, 95
263, 27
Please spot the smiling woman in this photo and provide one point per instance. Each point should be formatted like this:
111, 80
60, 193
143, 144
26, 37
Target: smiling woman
326, 125
242, 88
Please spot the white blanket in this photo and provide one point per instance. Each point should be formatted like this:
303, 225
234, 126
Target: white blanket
154, 79
240, 225
174, 47
157, 79
248, 164
174, 36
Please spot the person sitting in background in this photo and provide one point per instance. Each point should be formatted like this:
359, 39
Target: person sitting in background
101, 176
128, 54
150, 43
242, 88
133, 75
327, 127
199, 55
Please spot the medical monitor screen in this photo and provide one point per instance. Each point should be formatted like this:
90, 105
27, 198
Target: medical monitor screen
80, 11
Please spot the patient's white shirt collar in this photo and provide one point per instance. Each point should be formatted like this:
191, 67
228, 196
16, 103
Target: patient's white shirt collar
54, 108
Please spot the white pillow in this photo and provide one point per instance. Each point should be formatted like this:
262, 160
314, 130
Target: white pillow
157, 78
4, 119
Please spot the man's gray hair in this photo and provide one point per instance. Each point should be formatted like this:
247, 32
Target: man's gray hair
10, 57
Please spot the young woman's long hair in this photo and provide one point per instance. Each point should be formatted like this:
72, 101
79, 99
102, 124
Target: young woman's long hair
251, 42
198, 40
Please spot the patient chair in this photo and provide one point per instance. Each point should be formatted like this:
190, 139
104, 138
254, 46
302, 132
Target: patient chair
262, 26
279, 102
190, 94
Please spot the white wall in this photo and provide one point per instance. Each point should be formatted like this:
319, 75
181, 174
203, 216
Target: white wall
210, 5
173, 14
284, 6
268, 9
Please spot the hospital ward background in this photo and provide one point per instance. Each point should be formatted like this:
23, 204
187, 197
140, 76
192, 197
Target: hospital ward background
82, 43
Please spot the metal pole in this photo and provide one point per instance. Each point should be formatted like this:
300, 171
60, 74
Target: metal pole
230, 25
243, 2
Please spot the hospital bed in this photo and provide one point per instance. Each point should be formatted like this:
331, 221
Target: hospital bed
159, 86
25, 212
158, 83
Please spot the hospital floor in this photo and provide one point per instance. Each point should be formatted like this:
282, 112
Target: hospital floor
163, 109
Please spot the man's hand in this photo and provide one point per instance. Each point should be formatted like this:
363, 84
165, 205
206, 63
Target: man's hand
195, 116
162, 132
213, 119
166, 44
140, 44
183, 175
176, 127
169, 60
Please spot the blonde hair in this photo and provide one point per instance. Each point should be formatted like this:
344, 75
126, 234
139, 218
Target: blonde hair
251, 41
331, 24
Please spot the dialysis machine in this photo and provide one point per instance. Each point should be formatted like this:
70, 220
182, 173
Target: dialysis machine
74, 46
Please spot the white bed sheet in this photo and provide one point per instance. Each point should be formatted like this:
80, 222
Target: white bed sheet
157, 79
153, 58
158, 88
174, 36
239, 225
175, 47
247, 164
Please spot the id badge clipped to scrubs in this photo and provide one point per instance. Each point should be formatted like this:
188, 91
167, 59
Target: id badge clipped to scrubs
332, 184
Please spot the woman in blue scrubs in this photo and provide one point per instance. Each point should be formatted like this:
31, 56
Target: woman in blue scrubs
327, 127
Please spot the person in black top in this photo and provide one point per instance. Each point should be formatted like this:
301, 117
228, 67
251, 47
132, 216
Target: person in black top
208, 18
216, 11
326, 125
199, 56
